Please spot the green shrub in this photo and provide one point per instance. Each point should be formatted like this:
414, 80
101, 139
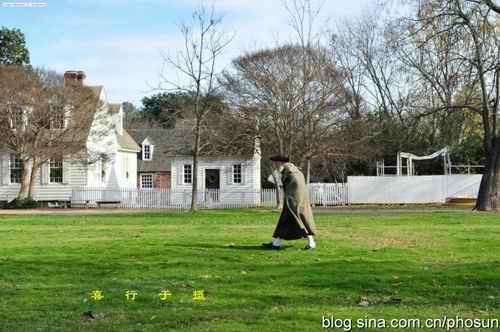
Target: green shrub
27, 203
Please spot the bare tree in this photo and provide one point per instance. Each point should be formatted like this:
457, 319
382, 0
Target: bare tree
267, 83
321, 85
204, 42
454, 48
42, 119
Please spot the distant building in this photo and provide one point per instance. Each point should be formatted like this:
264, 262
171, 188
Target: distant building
166, 161
57, 178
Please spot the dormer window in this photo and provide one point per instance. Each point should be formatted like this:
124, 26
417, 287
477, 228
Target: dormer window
146, 152
147, 149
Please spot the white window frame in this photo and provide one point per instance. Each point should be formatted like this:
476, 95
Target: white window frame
184, 174
17, 114
142, 181
150, 148
57, 118
54, 161
20, 168
234, 173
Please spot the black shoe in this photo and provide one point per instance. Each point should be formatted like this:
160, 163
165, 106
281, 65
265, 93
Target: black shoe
308, 247
270, 245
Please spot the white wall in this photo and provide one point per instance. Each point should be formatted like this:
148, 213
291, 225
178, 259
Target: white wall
126, 162
411, 189
75, 175
230, 190
102, 140
78, 173
251, 181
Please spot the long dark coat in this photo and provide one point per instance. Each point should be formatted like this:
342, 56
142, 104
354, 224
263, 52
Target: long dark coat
296, 220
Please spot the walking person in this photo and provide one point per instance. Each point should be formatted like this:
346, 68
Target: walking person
296, 220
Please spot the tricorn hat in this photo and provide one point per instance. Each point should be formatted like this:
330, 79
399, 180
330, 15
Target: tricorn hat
280, 158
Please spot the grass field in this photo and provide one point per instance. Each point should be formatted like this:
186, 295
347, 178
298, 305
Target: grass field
435, 264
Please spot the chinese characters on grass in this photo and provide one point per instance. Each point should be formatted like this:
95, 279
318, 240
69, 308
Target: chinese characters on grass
132, 295
96, 295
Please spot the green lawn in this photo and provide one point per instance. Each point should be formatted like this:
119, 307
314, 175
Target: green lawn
437, 264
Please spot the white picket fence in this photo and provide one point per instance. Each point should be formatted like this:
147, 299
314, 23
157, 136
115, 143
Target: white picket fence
328, 194
133, 198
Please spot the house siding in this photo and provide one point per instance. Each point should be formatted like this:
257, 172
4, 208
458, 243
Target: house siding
119, 162
75, 176
248, 190
83, 169
126, 164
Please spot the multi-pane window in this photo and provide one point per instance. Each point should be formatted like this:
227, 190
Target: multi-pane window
237, 173
16, 167
56, 117
56, 171
146, 181
188, 174
146, 152
16, 117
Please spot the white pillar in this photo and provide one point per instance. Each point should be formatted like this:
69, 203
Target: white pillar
398, 164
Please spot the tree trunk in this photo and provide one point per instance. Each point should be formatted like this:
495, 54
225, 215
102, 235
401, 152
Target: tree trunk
487, 198
194, 191
308, 171
25, 180
34, 171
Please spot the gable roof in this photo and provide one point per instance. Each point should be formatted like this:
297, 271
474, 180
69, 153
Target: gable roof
83, 134
97, 89
175, 142
148, 140
167, 144
126, 142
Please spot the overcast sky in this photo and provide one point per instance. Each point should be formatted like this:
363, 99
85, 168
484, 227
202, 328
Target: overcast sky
117, 42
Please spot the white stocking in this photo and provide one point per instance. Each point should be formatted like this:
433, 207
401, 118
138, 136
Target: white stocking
312, 243
276, 242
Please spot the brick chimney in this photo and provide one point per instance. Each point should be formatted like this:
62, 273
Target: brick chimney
74, 77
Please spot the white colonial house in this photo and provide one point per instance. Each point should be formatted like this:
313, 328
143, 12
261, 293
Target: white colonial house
166, 162
58, 178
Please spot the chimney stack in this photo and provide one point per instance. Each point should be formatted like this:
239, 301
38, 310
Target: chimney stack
74, 77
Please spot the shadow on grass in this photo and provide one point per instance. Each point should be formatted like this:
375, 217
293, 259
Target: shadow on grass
226, 246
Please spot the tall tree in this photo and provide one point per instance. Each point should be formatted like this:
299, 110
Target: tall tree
321, 85
13, 49
130, 114
166, 107
204, 42
454, 48
402, 107
42, 119
267, 82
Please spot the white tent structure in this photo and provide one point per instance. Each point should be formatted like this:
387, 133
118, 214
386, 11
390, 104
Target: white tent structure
410, 165
445, 153
404, 187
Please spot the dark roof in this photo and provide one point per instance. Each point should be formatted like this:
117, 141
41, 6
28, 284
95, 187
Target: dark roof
171, 142
167, 144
